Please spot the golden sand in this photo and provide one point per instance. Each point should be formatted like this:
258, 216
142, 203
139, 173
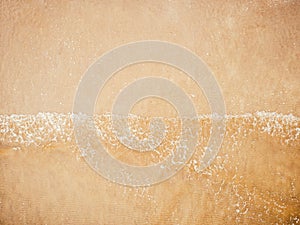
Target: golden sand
251, 46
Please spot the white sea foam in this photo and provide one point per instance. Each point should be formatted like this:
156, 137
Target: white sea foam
46, 129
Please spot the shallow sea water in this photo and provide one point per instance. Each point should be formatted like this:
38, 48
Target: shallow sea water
253, 179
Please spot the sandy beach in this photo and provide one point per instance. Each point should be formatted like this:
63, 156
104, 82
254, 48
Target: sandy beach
252, 49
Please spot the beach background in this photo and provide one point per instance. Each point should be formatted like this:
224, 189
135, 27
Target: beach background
252, 47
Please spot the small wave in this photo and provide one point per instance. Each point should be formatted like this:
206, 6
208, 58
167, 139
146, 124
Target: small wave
46, 129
